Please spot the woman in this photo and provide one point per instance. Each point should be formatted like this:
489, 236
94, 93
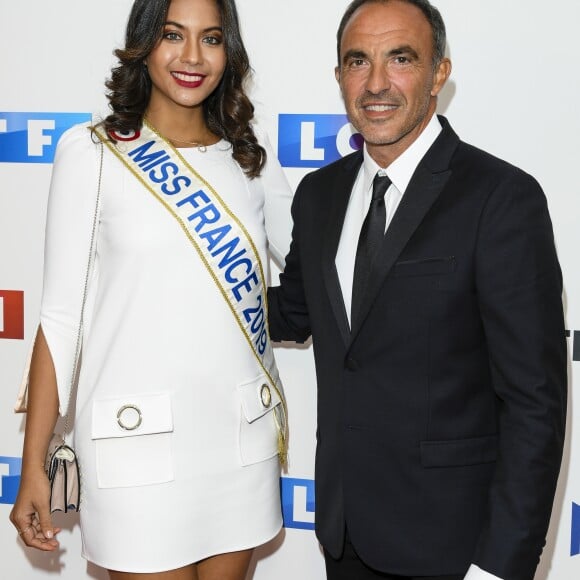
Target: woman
179, 411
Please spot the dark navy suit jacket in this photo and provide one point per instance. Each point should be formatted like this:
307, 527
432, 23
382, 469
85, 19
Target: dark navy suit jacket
441, 415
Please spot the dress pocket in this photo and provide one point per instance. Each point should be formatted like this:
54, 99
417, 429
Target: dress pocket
133, 440
258, 431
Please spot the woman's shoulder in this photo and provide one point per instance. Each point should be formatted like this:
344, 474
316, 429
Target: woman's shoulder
77, 142
79, 136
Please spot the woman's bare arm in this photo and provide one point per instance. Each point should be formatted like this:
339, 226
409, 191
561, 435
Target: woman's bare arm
31, 512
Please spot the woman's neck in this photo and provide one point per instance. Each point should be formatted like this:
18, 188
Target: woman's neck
187, 129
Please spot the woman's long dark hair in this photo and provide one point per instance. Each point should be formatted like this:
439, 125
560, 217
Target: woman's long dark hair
228, 110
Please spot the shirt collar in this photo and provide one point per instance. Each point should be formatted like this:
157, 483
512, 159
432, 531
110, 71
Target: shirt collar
401, 169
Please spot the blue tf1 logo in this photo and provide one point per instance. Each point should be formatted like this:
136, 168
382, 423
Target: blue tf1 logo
297, 503
32, 137
575, 536
315, 140
10, 468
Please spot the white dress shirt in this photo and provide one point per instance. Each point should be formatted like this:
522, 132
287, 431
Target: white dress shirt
400, 173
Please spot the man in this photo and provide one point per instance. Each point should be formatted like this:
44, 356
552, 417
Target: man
439, 345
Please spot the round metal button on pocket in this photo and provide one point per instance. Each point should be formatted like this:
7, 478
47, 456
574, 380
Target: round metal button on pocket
266, 395
129, 417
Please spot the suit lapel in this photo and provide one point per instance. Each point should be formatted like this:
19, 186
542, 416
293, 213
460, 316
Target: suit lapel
424, 188
341, 187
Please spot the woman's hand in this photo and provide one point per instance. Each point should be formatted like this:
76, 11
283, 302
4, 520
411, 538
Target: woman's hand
31, 512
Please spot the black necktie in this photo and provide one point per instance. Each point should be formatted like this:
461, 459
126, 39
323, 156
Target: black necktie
369, 242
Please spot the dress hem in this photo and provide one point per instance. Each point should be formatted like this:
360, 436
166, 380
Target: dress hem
238, 548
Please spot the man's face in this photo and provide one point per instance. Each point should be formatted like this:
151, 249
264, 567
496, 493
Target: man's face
387, 78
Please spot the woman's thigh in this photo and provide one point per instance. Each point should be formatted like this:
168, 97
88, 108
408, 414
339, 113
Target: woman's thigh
185, 573
230, 566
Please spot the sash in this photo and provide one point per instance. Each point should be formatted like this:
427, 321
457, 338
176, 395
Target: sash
220, 239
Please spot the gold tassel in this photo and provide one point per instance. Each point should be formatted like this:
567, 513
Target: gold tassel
282, 448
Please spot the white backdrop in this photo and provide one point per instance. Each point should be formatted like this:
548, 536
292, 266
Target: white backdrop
513, 91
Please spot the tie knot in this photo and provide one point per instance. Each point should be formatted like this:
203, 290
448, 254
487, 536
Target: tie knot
380, 185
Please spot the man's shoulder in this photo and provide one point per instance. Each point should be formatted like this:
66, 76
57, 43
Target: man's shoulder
469, 159
483, 162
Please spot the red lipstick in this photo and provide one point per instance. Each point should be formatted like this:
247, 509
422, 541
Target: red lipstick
188, 80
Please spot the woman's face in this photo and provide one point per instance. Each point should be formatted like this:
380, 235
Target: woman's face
189, 60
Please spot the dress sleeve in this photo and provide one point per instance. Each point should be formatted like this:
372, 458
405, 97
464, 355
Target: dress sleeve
70, 217
288, 316
277, 204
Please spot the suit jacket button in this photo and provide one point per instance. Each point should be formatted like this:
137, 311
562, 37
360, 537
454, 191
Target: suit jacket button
352, 364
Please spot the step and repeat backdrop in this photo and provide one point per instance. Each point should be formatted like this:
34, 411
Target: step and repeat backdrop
513, 91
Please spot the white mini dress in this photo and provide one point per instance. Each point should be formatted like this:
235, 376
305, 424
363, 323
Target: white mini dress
200, 476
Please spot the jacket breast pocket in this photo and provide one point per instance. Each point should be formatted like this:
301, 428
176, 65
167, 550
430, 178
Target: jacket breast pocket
132, 437
258, 438
425, 267
459, 452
